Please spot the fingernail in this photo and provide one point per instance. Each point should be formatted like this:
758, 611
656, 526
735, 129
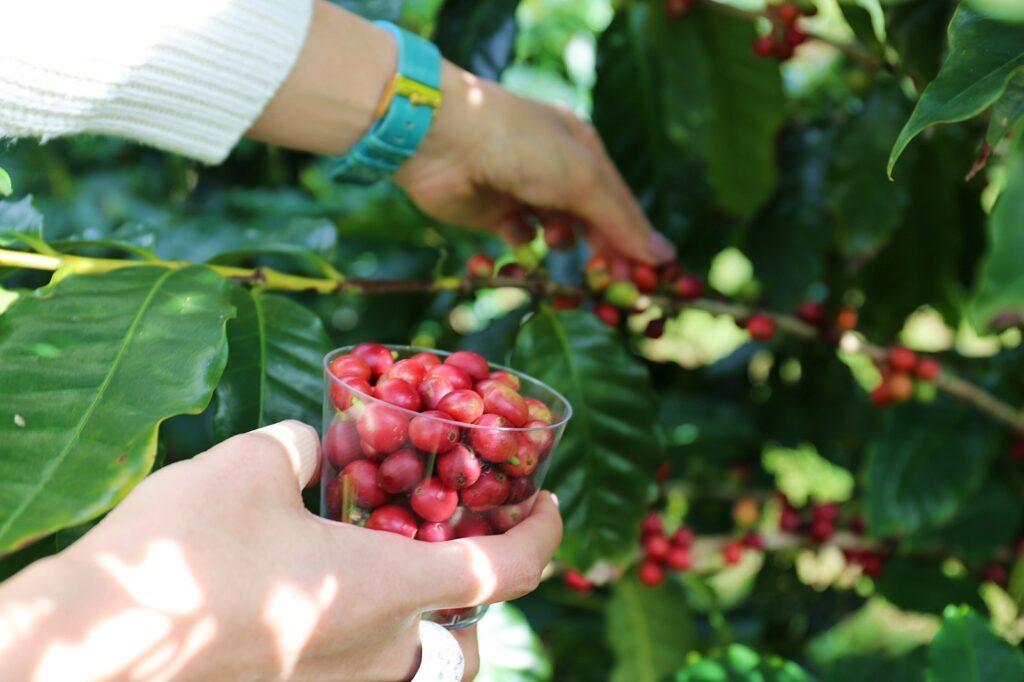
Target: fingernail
554, 498
660, 247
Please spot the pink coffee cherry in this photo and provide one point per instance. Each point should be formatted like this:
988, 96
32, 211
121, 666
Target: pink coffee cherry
345, 392
436, 532
508, 516
393, 519
426, 360
520, 489
493, 444
455, 376
487, 493
433, 389
341, 443
526, 459
349, 366
376, 356
431, 435
538, 411
507, 378
481, 387
361, 478
382, 427
370, 451
399, 393
400, 472
332, 498
464, 405
473, 364
433, 501
408, 371
539, 435
459, 468
472, 526
501, 400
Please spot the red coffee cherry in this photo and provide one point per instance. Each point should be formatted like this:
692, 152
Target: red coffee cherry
821, 530
459, 468
493, 444
362, 479
995, 573
784, 51
826, 511
881, 395
456, 376
501, 400
683, 537
559, 234
656, 547
764, 46
426, 360
655, 328
689, 287
761, 327
813, 313
539, 437
464, 405
433, 390
645, 277
1017, 449
872, 564
566, 302
345, 392
795, 37
927, 369
399, 393
376, 356
436, 532
537, 410
608, 314
473, 364
400, 472
598, 274
652, 525
789, 520
679, 558
789, 12
349, 366
431, 435
479, 266
512, 271
753, 541
520, 489
732, 552
846, 320
507, 378
393, 519
341, 444
651, 574
383, 428
577, 583
526, 459
901, 387
902, 359
410, 371
507, 517
490, 491
472, 526
433, 501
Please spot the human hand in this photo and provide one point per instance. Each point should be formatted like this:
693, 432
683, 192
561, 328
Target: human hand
212, 569
491, 154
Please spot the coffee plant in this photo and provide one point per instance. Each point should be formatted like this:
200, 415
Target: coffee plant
796, 454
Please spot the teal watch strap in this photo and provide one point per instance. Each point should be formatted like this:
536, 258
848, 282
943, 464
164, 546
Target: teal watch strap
396, 135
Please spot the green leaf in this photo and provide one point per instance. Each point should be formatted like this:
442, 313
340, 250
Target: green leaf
917, 29
966, 650
917, 584
478, 36
983, 525
21, 217
510, 651
1006, 111
650, 630
926, 461
92, 366
611, 446
275, 353
1003, 10
6, 186
741, 664
909, 668
984, 55
1000, 289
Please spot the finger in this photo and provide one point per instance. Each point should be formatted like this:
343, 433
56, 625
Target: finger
288, 452
467, 639
481, 570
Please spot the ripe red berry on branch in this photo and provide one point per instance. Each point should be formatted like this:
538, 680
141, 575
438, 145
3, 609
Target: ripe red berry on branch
927, 369
788, 12
689, 287
813, 313
651, 574
1017, 450
566, 302
479, 266
676, 8
760, 327
577, 582
655, 328
732, 552
559, 234
902, 359
512, 271
764, 46
645, 278
846, 320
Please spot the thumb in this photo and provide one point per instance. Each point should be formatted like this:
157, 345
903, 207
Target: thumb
286, 452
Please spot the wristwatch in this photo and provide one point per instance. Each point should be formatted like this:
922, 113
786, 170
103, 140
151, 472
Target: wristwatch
404, 115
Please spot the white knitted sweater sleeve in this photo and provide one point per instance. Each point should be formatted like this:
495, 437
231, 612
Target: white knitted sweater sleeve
188, 76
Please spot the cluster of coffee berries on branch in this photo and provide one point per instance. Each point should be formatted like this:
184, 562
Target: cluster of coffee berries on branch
819, 523
785, 35
661, 552
622, 285
899, 370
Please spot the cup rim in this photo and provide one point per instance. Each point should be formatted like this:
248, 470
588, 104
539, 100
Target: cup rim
566, 414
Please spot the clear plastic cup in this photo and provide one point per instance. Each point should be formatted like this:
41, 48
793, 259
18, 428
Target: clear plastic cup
431, 476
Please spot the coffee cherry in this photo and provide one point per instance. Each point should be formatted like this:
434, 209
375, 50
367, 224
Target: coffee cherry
645, 277
764, 46
789, 520
676, 8
784, 51
753, 541
746, 511
494, 443
826, 511
656, 548
651, 574
795, 37
655, 328
479, 266
821, 530
433, 501
383, 428
608, 314
621, 268
436, 532
341, 444
376, 356
539, 436
881, 395
408, 370
872, 564
333, 498
577, 583
464, 405
472, 526
995, 573
732, 552
490, 491
400, 472
507, 517
679, 559
598, 274
362, 478
427, 361
431, 435
927, 369
349, 367
473, 364
813, 313
507, 378
902, 359
519, 489
459, 468
652, 525
433, 390
559, 234
760, 327
456, 376
622, 294
537, 410
346, 392
788, 12
689, 287
526, 459
901, 387
1017, 449
566, 302
512, 271
858, 525
663, 472
501, 400
398, 393
393, 519
846, 320
683, 537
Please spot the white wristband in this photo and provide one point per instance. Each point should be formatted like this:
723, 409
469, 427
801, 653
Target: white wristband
442, 659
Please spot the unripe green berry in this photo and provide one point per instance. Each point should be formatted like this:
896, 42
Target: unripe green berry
527, 257
622, 294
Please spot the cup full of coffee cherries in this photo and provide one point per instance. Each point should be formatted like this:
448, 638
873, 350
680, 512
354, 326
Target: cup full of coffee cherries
434, 446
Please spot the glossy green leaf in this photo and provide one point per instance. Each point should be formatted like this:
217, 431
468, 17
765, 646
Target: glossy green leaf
1000, 289
909, 668
917, 29
1007, 110
966, 650
924, 464
6, 186
510, 651
1002, 10
611, 446
742, 664
972, 77
478, 36
921, 585
650, 630
984, 524
275, 354
92, 366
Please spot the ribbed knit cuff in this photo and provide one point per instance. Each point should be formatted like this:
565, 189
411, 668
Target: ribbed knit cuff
188, 76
